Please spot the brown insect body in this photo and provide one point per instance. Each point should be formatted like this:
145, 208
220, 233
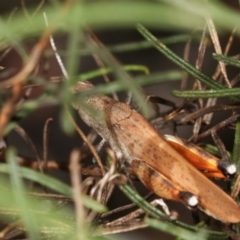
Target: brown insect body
135, 139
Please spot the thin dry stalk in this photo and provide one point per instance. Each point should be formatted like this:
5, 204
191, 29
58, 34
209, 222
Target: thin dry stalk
197, 85
107, 178
212, 101
87, 183
235, 80
199, 62
227, 48
77, 194
25, 96
8, 108
54, 48
29, 141
218, 126
221, 147
45, 142
18, 80
63, 69
11, 15
186, 53
230, 41
108, 188
89, 171
100, 64
84, 138
202, 112
9, 228
236, 188
125, 219
25, 11
120, 229
94, 41
123, 208
5, 53
31, 62
218, 49
129, 222
92, 135
38, 7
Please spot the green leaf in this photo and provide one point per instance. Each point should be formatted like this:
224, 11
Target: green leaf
175, 230
181, 62
55, 185
143, 80
156, 213
229, 92
236, 147
229, 60
104, 71
19, 194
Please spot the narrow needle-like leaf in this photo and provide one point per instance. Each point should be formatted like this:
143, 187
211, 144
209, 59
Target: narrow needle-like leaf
180, 62
20, 197
154, 212
55, 185
236, 148
230, 92
175, 230
229, 60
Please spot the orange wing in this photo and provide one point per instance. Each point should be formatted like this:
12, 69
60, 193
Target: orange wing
202, 160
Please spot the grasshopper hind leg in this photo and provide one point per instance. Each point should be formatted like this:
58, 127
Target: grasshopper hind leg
161, 186
189, 199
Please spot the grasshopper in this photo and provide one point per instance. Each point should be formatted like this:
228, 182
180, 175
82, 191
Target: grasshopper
157, 164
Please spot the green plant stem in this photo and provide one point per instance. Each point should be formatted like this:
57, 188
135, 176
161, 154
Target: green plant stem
229, 60
20, 197
154, 212
228, 92
236, 147
55, 185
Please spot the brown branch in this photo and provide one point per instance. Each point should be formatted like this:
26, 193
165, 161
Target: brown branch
31, 62
17, 81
